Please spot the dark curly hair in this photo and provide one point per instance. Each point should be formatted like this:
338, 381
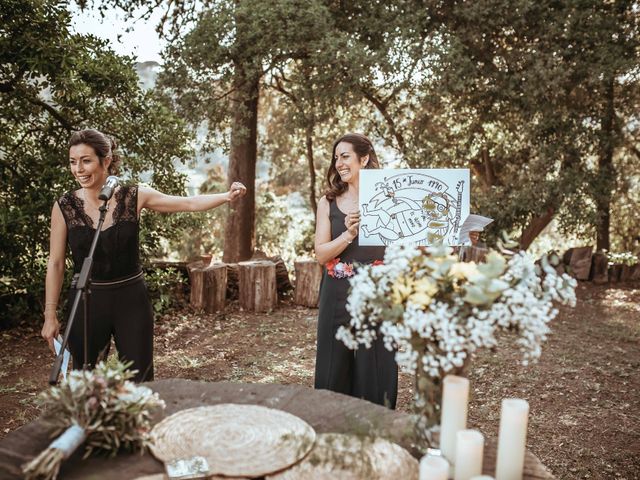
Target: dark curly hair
102, 144
363, 147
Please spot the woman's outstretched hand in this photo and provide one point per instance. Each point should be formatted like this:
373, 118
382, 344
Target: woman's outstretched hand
237, 190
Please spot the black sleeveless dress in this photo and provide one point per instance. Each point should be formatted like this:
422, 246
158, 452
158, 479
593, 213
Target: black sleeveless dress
119, 305
371, 374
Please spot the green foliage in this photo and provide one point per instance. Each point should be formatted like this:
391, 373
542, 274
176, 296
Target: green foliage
51, 83
624, 258
204, 232
282, 227
165, 289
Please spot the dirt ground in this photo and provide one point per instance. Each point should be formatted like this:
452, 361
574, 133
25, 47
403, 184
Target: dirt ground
583, 394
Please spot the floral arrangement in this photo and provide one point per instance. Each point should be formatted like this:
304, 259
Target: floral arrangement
338, 269
435, 311
624, 258
100, 408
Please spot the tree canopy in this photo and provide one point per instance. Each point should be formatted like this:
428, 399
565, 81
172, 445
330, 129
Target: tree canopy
539, 99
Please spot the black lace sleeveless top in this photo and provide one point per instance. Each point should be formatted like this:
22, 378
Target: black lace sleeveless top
353, 252
117, 252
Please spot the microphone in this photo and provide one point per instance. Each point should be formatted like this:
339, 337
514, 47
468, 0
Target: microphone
109, 186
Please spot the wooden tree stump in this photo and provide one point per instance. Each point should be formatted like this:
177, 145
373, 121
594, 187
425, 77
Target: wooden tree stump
625, 273
308, 277
579, 260
283, 283
214, 287
208, 286
232, 281
614, 273
635, 274
257, 285
196, 280
600, 268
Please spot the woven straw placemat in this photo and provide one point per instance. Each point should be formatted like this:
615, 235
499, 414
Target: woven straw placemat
349, 457
236, 440
162, 476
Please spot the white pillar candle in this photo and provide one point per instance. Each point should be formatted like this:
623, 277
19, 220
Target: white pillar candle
455, 399
433, 468
469, 450
512, 439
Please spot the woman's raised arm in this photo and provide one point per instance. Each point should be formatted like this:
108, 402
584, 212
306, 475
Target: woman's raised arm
161, 202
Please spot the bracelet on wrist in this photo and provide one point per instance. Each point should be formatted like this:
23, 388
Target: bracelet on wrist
346, 239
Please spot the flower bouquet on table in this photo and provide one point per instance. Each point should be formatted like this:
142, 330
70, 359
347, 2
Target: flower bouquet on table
436, 311
100, 408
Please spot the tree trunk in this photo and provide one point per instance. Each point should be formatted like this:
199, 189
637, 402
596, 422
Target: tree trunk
391, 124
606, 172
535, 227
312, 169
483, 168
239, 234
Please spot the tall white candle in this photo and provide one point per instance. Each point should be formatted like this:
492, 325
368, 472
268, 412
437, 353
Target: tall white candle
469, 449
512, 439
434, 468
455, 399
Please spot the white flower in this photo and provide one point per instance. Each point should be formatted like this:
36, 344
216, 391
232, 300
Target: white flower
452, 309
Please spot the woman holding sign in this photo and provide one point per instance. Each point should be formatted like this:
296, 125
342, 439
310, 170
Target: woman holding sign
371, 374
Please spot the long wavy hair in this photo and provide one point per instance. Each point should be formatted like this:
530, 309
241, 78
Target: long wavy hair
102, 144
363, 147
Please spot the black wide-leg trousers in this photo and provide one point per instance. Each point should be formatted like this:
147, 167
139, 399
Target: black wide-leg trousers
122, 311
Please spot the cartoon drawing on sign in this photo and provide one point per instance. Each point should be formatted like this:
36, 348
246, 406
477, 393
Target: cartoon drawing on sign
413, 207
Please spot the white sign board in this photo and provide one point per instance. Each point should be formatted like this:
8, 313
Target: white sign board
417, 206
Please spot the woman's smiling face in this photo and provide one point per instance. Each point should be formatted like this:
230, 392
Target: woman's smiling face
86, 166
348, 164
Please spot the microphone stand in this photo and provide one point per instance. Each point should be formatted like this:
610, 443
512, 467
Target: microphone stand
83, 292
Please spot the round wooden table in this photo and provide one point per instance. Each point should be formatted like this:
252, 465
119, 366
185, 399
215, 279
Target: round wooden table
325, 411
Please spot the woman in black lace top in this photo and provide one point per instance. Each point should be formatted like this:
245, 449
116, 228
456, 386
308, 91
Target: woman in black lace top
119, 303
